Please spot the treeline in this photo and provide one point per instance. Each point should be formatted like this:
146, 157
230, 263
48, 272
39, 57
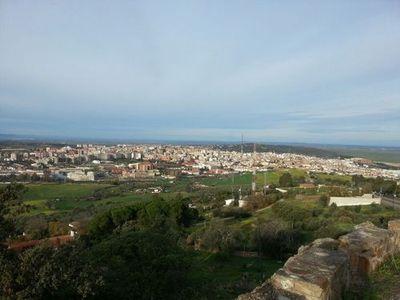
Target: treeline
377, 185
158, 214
129, 253
269, 238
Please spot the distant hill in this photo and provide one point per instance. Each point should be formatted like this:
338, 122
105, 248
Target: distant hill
377, 154
303, 150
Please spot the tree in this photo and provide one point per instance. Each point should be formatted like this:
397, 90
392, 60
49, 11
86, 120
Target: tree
10, 195
44, 272
129, 265
57, 228
286, 180
218, 238
183, 214
291, 212
36, 226
101, 225
276, 239
139, 265
358, 180
324, 200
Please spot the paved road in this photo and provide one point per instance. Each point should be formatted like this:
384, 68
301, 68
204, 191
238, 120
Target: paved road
391, 202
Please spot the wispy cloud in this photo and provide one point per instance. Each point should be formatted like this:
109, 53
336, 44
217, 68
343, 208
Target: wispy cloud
319, 72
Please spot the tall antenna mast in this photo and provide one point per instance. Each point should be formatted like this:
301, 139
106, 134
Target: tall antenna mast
253, 184
241, 147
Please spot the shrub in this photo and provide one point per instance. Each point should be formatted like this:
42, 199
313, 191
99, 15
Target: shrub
217, 238
332, 231
274, 238
226, 212
286, 180
291, 211
324, 200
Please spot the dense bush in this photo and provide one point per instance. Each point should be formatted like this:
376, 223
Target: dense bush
157, 213
324, 200
216, 238
313, 224
274, 238
289, 211
231, 211
286, 180
133, 265
256, 202
378, 185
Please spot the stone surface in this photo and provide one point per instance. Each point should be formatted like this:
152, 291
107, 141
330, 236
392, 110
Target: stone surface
318, 271
367, 247
327, 267
394, 227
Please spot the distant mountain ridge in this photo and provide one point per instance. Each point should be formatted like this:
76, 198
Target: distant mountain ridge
303, 150
377, 154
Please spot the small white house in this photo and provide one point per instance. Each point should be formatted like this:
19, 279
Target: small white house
229, 202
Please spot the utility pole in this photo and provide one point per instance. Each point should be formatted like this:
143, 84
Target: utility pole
253, 183
265, 178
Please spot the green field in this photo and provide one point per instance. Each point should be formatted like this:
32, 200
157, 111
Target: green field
225, 278
50, 198
212, 275
245, 179
63, 196
62, 191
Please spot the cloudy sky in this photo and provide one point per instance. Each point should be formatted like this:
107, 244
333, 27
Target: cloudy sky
276, 71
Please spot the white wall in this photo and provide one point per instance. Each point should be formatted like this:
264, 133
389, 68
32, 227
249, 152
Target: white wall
366, 199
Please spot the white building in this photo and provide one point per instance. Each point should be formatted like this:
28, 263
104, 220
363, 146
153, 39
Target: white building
80, 175
366, 199
229, 202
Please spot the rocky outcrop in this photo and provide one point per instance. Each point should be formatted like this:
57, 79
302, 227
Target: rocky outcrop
326, 268
318, 271
367, 247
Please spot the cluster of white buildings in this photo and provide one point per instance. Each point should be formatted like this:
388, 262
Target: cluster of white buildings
134, 161
201, 157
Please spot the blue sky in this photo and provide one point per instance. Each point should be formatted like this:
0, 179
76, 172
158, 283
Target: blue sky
281, 71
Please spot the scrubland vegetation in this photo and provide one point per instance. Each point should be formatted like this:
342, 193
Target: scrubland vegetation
179, 243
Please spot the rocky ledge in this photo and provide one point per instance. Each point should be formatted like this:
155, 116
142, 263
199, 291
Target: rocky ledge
326, 268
